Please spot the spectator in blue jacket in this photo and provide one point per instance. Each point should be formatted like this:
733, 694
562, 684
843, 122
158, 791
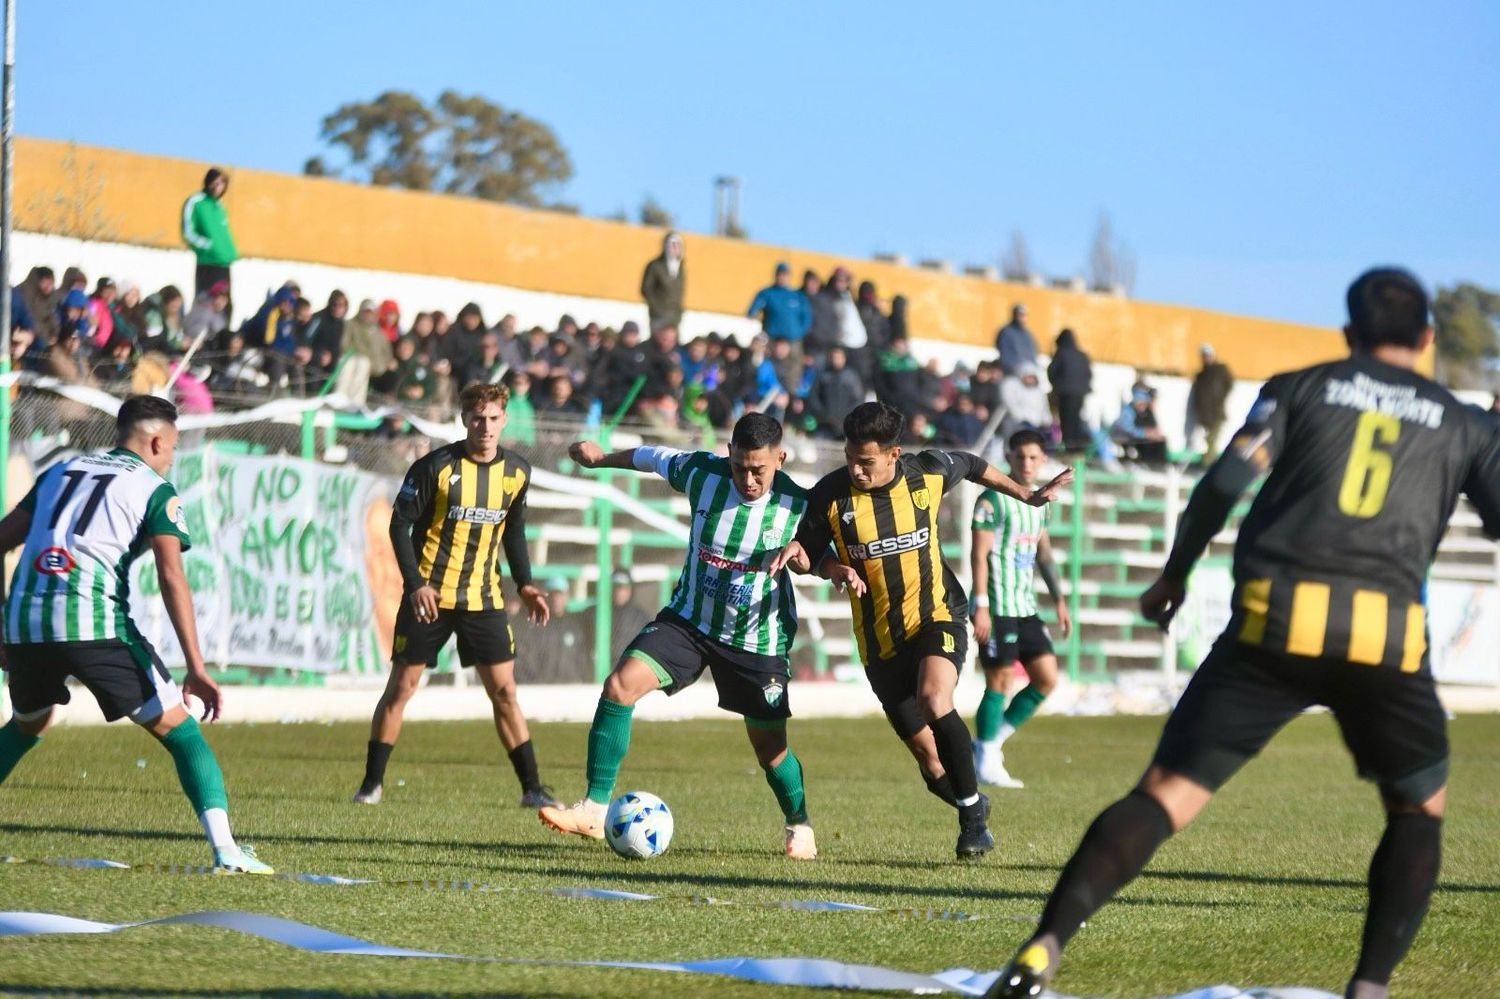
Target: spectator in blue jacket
785, 313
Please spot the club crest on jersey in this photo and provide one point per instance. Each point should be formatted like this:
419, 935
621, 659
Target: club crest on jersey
54, 562
921, 498
770, 538
773, 692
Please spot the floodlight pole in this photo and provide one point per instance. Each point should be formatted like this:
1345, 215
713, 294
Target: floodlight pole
7, 170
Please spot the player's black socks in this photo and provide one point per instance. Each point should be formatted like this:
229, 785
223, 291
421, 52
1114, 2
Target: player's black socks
377, 755
942, 787
1403, 872
1115, 848
956, 750
523, 758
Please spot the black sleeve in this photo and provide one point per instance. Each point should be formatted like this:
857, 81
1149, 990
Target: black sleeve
1251, 452
953, 466
412, 507
813, 533
1482, 484
514, 536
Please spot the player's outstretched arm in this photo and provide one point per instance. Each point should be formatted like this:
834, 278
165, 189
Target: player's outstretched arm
179, 603
591, 455
995, 479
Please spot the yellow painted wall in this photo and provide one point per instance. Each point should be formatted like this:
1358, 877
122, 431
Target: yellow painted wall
133, 198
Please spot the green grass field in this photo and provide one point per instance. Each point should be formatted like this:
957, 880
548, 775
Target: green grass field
1267, 888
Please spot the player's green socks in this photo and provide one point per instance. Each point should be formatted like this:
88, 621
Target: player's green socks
785, 779
13, 745
1022, 707
197, 769
987, 718
609, 740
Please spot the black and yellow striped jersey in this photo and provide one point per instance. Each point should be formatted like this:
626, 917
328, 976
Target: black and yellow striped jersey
890, 537
451, 519
1367, 463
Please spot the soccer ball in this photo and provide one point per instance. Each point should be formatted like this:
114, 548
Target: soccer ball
638, 825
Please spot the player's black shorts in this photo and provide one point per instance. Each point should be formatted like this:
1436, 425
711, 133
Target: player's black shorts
749, 684
126, 680
1013, 638
484, 637
1241, 696
894, 679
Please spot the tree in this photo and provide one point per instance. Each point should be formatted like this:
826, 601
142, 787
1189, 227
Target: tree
1015, 262
1111, 262
459, 145
1465, 319
654, 213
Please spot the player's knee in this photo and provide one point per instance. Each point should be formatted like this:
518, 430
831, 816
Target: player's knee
935, 703
1045, 683
617, 689
504, 692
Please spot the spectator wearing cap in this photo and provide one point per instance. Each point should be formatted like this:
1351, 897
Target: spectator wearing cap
1072, 377
40, 293
205, 228
367, 354
1014, 342
785, 313
663, 281
1208, 399
101, 316
627, 617
1137, 429
836, 390
1025, 401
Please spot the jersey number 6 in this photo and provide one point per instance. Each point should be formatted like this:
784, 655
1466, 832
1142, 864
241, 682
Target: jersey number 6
1367, 476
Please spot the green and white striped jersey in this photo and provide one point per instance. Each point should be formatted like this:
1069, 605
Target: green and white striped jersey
724, 590
1018, 529
91, 516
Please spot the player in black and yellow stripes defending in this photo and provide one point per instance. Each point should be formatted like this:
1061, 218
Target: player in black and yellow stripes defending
880, 514
458, 507
1367, 459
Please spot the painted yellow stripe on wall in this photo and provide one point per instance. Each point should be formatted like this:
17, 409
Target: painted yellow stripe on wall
1255, 599
1309, 620
1367, 627
1416, 639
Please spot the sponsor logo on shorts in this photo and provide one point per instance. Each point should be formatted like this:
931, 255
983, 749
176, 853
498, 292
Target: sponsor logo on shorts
476, 514
773, 691
54, 562
1012, 637
881, 547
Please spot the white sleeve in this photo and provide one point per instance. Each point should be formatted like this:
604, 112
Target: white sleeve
656, 459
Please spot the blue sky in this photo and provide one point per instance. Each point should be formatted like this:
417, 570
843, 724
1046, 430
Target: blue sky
1254, 157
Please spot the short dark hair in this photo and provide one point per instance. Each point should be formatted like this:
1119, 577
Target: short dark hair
140, 409
756, 430
1387, 305
1021, 438
874, 423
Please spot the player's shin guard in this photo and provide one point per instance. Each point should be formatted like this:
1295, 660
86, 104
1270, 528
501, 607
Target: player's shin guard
609, 740
987, 718
1114, 850
957, 755
377, 755
785, 779
1023, 706
197, 769
523, 761
1403, 872
14, 744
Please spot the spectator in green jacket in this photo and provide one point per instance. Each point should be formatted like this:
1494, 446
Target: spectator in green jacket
205, 228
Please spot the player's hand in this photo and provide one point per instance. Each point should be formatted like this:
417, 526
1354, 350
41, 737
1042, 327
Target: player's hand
981, 621
844, 577
794, 555
537, 609
1161, 602
1048, 493
1064, 619
424, 603
200, 685
586, 453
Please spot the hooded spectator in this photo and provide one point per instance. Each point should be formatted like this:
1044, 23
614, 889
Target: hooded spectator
40, 293
273, 326
1014, 342
205, 228
421, 334
325, 333
388, 318
1072, 378
985, 386
738, 382
470, 329
1025, 402
897, 326
663, 281
836, 390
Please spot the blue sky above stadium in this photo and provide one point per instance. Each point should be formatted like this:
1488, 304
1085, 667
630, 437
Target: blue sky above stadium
1254, 158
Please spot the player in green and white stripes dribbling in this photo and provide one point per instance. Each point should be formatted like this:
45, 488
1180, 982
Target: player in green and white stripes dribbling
1009, 546
84, 523
728, 614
